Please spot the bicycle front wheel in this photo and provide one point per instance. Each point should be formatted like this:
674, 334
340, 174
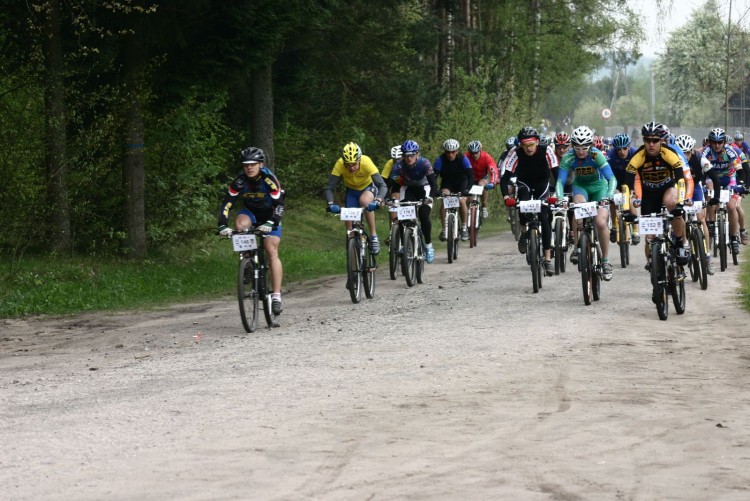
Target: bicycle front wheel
698, 258
450, 230
559, 246
624, 241
394, 251
368, 272
247, 294
515, 225
266, 296
473, 225
676, 277
353, 269
409, 257
533, 250
658, 282
721, 227
584, 264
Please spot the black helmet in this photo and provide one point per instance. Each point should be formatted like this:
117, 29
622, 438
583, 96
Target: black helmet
252, 155
528, 133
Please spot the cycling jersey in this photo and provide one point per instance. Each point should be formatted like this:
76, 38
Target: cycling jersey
532, 170
725, 162
455, 175
387, 168
655, 174
262, 196
484, 167
618, 166
419, 174
360, 178
592, 173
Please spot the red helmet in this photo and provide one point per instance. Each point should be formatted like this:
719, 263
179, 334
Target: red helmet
562, 139
598, 142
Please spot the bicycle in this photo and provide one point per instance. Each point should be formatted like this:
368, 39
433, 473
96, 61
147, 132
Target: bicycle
561, 234
534, 253
395, 238
451, 203
414, 250
720, 238
475, 214
667, 277
589, 251
698, 264
360, 261
252, 279
623, 225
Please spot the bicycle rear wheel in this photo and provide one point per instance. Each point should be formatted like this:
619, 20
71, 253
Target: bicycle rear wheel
624, 241
408, 258
559, 246
584, 265
698, 259
266, 296
676, 276
354, 275
394, 249
658, 278
596, 270
533, 250
368, 273
247, 294
721, 227
450, 223
419, 261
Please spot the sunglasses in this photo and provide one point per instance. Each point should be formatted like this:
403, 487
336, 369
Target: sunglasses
652, 140
716, 142
410, 155
582, 148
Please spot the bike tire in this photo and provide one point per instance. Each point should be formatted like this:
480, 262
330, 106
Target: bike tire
354, 274
408, 258
473, 213
702, 260
659, 293
623, 241
676, 277
515, 224
394, 257
450, 231
721, 227
596, 271
533, 251
247, 294
267, 300
559, 247
368, 273
421, 255
584, 264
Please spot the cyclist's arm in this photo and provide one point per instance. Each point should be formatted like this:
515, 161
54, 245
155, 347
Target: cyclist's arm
377, 180
433, 182
226, 204
332, 182
606, 171
469, 171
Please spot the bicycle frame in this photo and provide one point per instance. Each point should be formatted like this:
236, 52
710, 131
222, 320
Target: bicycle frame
249, 245
360, 262
413, 256
667, 277
589, 251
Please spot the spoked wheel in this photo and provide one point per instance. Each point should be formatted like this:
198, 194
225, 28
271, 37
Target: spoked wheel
354, 273
596, 275
368, 274
624, 241
419, 261
676, 277
247, 294
473, 225
409, 258
394, 258
450, 230
721, 227
533, 251
698, 258
560, 246
584, 264
658, 283
267, 310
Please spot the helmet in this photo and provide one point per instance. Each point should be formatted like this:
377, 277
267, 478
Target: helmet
510, 142
409, 146
528, 133
252, 155
562, 139
739, 136
396, 152
621, 141
718, 135
684, 142
598, 143
653, 129
544, 141
582, 135
705, 141
671, 139
351, 153
475, 146
451, 145
665, 135
608, 140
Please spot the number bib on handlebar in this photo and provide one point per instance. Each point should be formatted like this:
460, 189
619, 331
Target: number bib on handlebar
618, 199
244, 242
696, 208
530, 206
724, 196
477, 189
586, 209
651, 225
450, 202
407, 212
351, 213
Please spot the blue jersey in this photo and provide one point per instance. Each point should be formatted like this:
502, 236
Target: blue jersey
618, 165
416, 175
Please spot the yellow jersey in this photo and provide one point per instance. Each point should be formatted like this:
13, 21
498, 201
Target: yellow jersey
360, 178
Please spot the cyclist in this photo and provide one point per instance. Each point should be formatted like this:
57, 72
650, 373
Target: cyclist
485, 171
594, 182
415, 175
456, 176
739, 141
386, 174
531, 165
725, 161
698, 165
262, 199
618, 157
739, 191
657, 170
364, 187
510, 144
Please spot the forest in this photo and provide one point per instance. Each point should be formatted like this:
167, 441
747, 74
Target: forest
122, 120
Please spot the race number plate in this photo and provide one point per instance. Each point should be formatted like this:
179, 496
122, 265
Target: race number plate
477, 189
450, 202
244, 242
530, 206
617, 199
351, 213
695, 208
407, 212
586, 209
724, 196
651, 225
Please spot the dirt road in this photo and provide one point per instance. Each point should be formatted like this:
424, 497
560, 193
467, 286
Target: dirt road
467, 387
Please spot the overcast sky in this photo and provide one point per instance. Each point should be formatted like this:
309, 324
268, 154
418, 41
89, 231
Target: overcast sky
658, 28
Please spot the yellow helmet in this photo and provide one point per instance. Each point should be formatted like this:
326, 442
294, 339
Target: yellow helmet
351, 153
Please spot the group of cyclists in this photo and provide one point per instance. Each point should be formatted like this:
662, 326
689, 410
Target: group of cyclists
579, 167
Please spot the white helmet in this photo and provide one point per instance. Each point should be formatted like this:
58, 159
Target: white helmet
685, 142
396, 152
451, 145
582, 136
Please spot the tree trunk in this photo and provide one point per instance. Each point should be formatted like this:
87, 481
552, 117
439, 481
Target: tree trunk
262, 115
537, 10
134, 176
56, 136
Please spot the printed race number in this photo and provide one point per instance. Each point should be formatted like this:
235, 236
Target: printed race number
407, 212
651, 225
351, 213
584, 210
244, 242
450, 202
530, 206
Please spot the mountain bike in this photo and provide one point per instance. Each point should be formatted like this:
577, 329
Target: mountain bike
562, 240
451, 203
667, 277
698, 264
589, 251
360, 261
253, 292
475, 214
395, 238
622, 224
534, 253
414, 250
